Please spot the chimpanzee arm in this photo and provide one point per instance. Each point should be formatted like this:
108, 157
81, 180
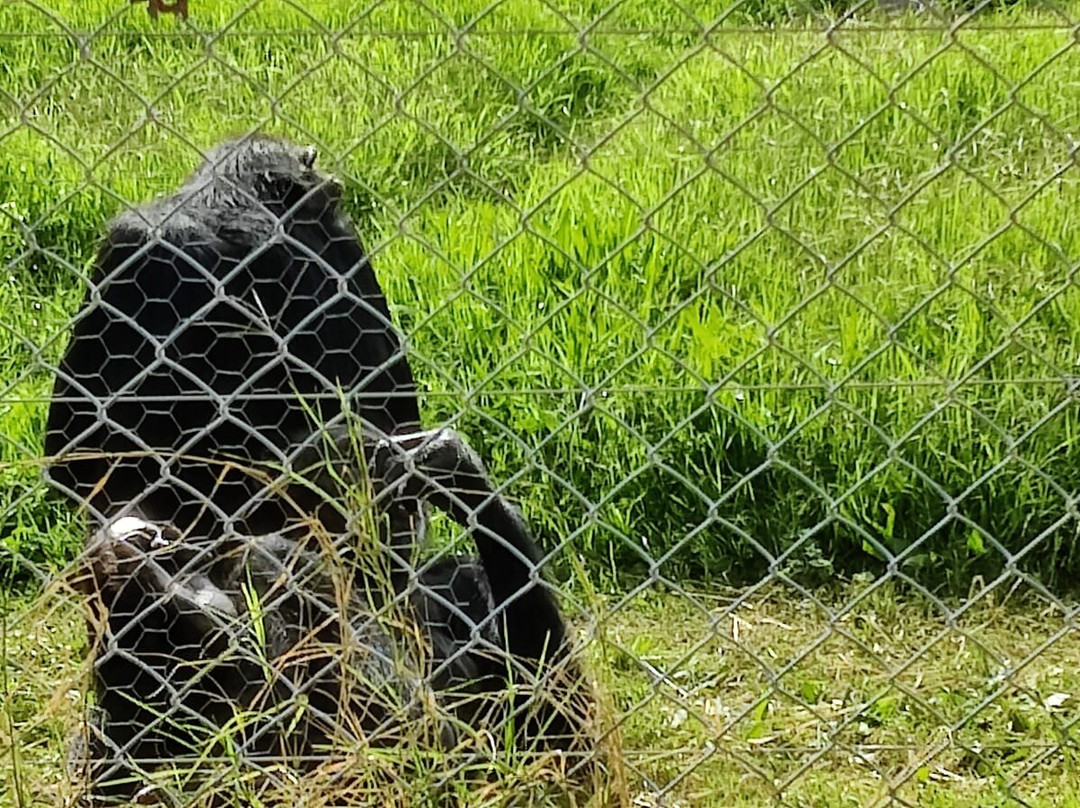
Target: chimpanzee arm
440, 467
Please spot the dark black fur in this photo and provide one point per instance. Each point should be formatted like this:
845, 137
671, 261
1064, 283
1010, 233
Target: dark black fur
179, 656
221, 324
504, 585
176, 621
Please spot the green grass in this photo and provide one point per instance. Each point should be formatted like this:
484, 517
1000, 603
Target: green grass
714, 304
701, 299
854, 697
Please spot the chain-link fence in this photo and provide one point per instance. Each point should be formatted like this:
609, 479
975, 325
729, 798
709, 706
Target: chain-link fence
539, 403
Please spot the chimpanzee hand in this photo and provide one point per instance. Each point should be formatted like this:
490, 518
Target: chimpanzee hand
438, 465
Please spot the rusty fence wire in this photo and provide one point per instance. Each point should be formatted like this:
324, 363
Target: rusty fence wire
640, 402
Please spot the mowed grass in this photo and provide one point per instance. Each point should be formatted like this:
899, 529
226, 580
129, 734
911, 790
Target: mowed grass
761, 299
851, 697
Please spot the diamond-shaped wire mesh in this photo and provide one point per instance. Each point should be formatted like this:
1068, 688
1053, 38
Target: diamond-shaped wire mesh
639, 403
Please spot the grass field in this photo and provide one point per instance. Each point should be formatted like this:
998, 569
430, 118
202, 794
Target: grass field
761, 300
705, 302
850, 698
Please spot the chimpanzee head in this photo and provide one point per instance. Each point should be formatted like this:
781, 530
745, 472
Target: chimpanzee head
276, 174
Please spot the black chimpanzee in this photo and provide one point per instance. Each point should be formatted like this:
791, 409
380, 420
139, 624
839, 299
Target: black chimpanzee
230, 330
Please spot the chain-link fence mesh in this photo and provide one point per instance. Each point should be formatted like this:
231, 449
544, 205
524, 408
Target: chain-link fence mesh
539, 403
